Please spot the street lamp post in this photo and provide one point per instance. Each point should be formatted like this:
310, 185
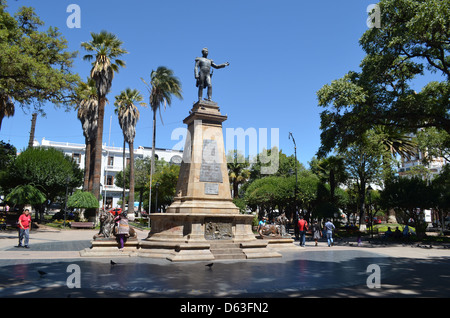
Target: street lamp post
295, 189
156, 197
369, 194
65, 204
296, 180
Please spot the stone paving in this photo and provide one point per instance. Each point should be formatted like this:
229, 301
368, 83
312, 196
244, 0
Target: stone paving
338, 271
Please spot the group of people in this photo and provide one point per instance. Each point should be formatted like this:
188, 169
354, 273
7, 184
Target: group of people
302, 226
316, 230
397, 234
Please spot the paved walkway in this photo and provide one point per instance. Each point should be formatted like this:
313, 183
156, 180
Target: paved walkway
338, 271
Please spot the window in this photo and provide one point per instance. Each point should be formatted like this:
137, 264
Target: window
111, 161
76, 157
110, 180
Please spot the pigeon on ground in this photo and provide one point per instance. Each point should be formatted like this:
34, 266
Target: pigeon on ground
42, 273
112, 262
209, 265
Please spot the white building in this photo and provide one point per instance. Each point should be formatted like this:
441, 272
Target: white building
434, 165
112, 163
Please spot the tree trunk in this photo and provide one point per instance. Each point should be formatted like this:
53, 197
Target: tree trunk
235, 189
33, 129
152, 165
98, 149
124, 165
87, 165
131, 192
91, 164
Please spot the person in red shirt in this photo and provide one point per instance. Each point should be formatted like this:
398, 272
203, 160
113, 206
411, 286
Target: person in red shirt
302, 228
24, 228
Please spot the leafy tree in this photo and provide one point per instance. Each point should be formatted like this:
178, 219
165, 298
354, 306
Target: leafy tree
414, 37
48, 170
163, 85
108, 49
308, 192
82, 200
7, 155
364, 166
285, 165
441, 194
34, 64
409, 197
25, 194
435, 143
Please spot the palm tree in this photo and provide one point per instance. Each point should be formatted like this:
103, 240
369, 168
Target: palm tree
87, 107
163, 84
6, 107
332, 170
128, 115
238, 171
107, 48
395, 141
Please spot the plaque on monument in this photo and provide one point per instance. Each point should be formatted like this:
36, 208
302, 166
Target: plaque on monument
210, 170
211, 188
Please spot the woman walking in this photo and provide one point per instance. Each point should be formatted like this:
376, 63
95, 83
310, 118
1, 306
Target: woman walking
317, 233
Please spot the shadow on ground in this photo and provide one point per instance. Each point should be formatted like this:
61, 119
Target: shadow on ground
307, 274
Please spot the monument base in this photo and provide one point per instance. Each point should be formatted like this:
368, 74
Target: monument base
194, 237
105, 247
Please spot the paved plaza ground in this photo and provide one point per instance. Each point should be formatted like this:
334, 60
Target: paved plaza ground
406, 270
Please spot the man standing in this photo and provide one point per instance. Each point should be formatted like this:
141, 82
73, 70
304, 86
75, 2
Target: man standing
202, 73
302, 228
329, 227
24, 228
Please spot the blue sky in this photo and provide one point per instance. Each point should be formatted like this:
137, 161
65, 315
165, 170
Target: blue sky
280, 53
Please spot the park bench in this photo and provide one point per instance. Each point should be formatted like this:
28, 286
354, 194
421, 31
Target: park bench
82, 225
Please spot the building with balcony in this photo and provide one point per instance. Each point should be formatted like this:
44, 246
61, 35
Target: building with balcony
112, 163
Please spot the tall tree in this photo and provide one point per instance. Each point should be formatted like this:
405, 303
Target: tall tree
34, 64
364, 165
413, 37
163, 85
128, 115
87, 112
107, 48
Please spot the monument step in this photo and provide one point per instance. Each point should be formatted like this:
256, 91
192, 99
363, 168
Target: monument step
230, 256
226, 250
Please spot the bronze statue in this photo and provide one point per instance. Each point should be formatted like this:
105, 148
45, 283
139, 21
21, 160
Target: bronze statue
203, 73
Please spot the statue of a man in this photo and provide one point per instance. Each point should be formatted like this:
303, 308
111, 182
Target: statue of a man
203, 73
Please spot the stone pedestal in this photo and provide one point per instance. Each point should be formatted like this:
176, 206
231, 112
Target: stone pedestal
203, 211
105, 247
